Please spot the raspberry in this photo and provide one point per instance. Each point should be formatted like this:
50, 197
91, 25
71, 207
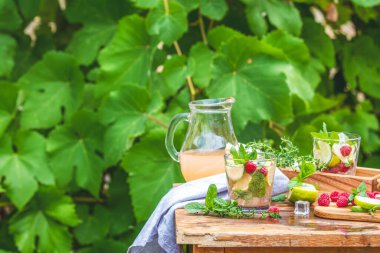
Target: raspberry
264, 171
250, 167
353, 203
324, 200
334, 196
345, 194
345, 150
370, 195
332, 170
342, 201
274, 209
375, 193
343, 168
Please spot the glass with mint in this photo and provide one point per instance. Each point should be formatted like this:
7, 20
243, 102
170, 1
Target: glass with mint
336, 152
250, 178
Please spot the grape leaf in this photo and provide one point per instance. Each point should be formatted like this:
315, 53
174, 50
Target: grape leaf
23, 163
105, 245
151, 173
86, 42
120, 209
146, 3
367, 3
10, 19
126, 112
281, 14
74, 152
99, 25
94, 227
46, 219
127, 58
53, 88
168, 24
318, 42
263, 90
172, 78
256, 20
360, 65
222, 34
214, 9
7, 48
284, 15
200, 62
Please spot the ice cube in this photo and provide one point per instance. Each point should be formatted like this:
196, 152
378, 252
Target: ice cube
302, 208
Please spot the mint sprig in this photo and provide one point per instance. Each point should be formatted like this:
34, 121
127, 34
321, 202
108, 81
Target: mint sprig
216, 206
359, 191
241, 155
306, 170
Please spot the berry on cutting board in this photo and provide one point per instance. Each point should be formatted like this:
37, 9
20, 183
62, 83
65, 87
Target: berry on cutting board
342, 201
324, 200
334, 196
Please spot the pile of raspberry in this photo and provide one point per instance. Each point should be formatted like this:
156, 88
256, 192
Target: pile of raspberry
341, 198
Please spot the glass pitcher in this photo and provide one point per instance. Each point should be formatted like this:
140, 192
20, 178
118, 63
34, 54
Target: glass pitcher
210, 130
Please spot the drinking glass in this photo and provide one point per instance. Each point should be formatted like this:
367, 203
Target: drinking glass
338, 154
251, 189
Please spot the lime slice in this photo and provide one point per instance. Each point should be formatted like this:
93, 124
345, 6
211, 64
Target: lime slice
366, 203
306, 192
335, 161
270, 176
242, 183
235, 172
323, 154
358, 209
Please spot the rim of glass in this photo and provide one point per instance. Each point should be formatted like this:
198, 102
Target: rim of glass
265, 157
217, 103
351, 137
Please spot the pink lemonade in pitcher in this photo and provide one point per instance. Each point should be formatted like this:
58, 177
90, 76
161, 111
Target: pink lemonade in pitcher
197, 164
210, 131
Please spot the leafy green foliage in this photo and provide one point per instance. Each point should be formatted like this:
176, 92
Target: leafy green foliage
306, 170
87, 92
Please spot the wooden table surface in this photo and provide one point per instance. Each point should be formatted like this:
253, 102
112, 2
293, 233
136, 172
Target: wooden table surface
288, 235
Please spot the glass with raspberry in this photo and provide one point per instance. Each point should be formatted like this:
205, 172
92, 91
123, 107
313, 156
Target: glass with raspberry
337, 152
250, 181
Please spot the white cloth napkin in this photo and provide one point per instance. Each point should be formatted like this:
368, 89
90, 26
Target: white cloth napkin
158, 234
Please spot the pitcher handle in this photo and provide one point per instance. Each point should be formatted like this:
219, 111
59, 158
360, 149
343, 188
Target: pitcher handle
169, 140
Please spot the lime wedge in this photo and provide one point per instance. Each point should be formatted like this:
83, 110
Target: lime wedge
269, 178
358, 209
235, 172
366, 203
306, 192
323, 154
242, 183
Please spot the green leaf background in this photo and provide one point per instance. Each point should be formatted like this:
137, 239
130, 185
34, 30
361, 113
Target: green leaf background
87, 93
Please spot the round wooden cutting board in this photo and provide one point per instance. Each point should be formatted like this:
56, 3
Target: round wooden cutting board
343, 213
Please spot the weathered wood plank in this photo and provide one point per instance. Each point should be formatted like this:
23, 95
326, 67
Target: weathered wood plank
329, 182
301, 250
290, 231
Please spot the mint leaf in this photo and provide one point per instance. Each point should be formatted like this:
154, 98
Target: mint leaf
362, 187
294, 182
168, 24
23, 163
53, 89
130, 106
195, 207
212, 192
306, 169
279, 198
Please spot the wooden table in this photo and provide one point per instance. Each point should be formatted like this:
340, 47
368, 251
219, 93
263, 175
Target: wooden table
288, 235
